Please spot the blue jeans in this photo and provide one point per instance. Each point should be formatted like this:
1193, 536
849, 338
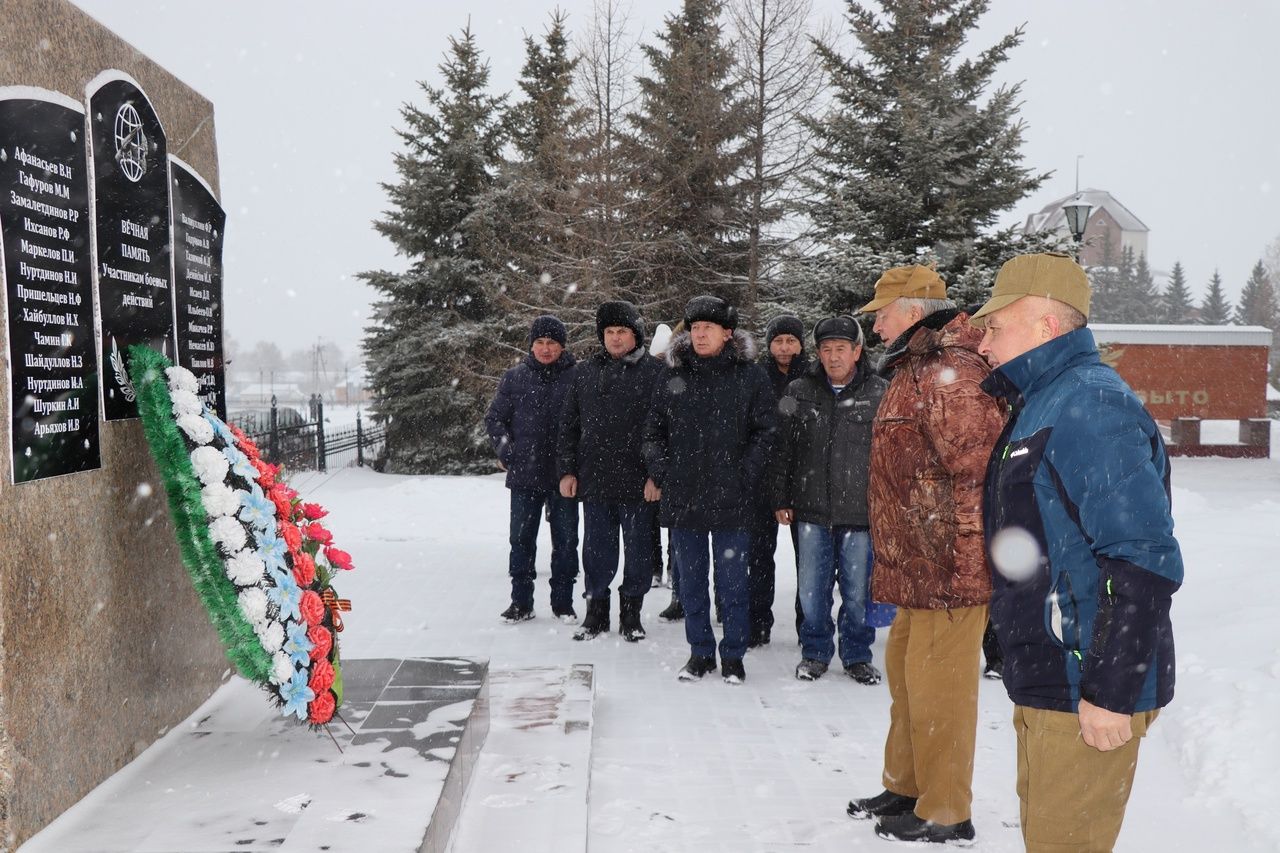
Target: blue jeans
730, 548
601, 522
562, 514
827, 557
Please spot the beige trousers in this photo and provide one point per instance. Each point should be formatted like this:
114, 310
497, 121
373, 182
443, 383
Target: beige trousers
932, 663
1072, 797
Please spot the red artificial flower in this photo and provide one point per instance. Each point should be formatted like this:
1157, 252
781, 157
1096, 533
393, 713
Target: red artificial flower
291, 534
280, 498
338, 557
304, 569
314, 512
318, 532
321, 641
312, 608
266, 473
321, 676
320, 709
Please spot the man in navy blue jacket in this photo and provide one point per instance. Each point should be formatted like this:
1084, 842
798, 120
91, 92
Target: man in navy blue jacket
522, 422
706, 444
1079, 532
601, 464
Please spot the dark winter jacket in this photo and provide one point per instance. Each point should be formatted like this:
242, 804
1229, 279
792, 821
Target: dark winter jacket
779, 380
707, 439
1081, 467
602, 425
930, 443
524, 418
822, 458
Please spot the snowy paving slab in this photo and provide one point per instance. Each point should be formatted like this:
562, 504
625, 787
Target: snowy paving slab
534, 772
238, 776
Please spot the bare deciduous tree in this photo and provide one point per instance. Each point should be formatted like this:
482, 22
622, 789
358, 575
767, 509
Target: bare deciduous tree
784, 82
604, 84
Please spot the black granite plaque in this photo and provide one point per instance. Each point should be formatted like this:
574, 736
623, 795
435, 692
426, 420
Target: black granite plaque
44, 235
198, 222
131, 223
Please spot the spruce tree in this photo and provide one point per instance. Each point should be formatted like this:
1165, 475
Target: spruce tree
528, 222
1215, 310
1175, 302
1142, 301
686, 151
1258, 300
1108, 280
918, 146
434, 325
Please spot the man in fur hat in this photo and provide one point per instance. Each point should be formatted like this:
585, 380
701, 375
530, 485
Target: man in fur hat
600, 464
706, 446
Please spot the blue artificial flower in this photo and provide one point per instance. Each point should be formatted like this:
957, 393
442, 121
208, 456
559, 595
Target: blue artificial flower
285, 595
271, 549
296, 644
296, 695
240, 463
220, 428
257, 510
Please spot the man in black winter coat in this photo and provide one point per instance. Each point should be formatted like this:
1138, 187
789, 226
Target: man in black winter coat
784, 360
820, 473
600, 463
706, 446
522, 423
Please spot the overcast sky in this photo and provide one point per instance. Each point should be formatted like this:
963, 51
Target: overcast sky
1171, 102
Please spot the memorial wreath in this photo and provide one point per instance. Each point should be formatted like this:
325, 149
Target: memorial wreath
260, 560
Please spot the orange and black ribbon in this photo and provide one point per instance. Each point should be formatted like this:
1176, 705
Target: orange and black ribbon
336, 605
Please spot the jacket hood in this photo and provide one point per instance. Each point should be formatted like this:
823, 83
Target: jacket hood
739, 349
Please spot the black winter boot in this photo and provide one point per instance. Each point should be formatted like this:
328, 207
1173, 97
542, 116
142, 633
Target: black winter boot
674, 611
596, 621
629, 618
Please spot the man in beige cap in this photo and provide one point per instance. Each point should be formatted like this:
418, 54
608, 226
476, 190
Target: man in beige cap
931, 439
1078, 529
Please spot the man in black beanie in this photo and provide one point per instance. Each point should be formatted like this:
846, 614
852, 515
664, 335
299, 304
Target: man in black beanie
784, 359
706, 446
522, 423
600, 463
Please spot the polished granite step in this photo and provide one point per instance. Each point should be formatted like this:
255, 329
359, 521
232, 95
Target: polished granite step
236, 776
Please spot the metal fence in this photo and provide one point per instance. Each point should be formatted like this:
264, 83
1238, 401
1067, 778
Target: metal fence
301, 444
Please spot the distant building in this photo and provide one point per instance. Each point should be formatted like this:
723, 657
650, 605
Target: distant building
1110, 223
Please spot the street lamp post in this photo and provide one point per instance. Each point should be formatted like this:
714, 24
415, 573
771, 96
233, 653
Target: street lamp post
1077, 211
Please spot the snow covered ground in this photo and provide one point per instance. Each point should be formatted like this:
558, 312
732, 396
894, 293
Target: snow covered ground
769, 765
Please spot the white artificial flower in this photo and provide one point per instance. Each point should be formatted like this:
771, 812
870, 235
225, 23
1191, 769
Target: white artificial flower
219, 499
181, 379
229, 533
209, 464
253, 604
272, 636
281, 668
245, 568
196, 428
186, 403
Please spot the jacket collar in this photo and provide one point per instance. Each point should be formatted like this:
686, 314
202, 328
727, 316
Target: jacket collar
1021, 377
630, 359
930, 328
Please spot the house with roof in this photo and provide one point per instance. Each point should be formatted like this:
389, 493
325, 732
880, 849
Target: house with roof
1110, 223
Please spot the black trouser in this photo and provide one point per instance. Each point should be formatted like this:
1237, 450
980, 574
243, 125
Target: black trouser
761, 572
671, 558
991, 646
